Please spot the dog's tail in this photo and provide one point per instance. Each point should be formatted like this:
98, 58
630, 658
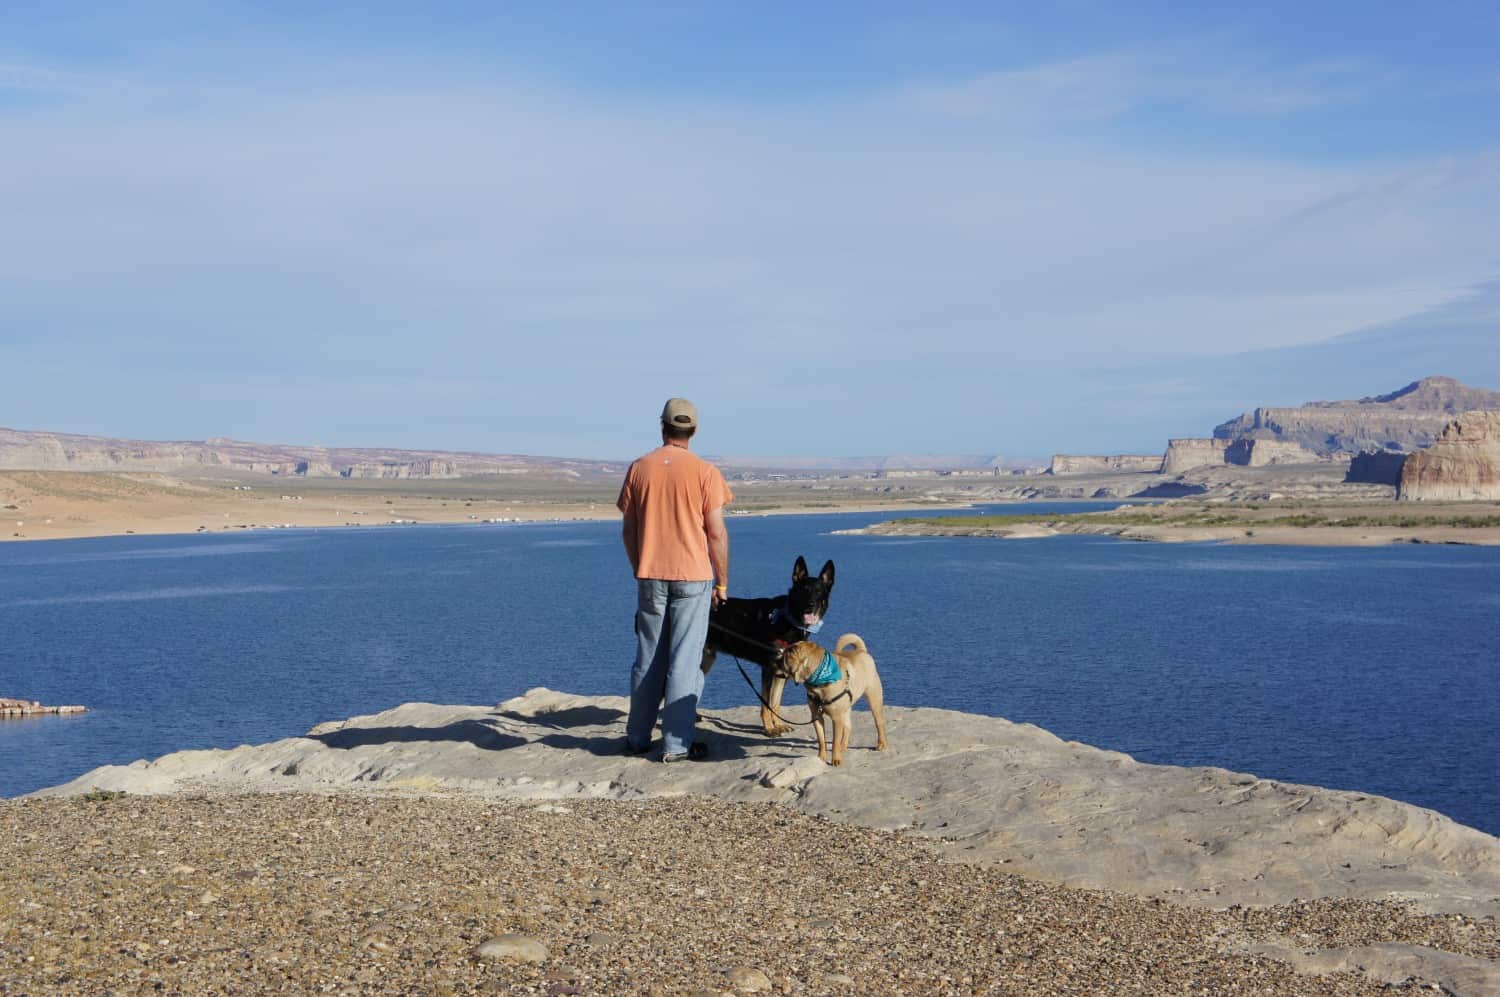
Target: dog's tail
842, 644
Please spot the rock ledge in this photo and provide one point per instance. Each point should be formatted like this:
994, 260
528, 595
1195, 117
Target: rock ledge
981, 788
31, 708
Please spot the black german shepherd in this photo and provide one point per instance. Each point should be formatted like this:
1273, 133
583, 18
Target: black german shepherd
760, 630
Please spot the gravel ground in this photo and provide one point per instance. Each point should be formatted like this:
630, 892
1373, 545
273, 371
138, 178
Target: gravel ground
362, 894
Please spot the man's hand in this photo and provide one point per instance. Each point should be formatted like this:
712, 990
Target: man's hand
721, 593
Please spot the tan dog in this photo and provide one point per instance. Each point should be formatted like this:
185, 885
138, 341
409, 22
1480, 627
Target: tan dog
836, 699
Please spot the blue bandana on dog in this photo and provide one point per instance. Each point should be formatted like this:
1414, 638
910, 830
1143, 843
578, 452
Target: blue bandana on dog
828, 672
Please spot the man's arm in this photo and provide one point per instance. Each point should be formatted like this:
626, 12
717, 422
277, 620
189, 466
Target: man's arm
630, 530
718, 551
632, 540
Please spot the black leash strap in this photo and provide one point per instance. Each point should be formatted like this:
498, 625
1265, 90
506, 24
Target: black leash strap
795, 723
740, 665
829, 702
739, 636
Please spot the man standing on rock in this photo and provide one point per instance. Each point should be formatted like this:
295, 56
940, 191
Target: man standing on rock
674, 533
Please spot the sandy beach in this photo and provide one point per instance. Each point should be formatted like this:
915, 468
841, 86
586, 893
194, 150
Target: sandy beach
58, 505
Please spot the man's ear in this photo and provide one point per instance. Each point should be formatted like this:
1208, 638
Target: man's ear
826, 575
799, 570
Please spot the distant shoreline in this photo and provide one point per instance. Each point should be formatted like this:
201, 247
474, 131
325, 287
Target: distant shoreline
1261, 524
41, 506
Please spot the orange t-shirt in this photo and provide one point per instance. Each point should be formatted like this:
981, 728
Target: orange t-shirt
668, 493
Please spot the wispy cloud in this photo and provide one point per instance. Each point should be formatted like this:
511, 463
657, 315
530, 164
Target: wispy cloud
470, 247
18, 79
30, 79
1112, 84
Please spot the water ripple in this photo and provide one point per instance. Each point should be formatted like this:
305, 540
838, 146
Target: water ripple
146, 595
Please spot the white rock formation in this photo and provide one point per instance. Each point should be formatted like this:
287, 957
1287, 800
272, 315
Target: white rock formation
983, 788
1186, 454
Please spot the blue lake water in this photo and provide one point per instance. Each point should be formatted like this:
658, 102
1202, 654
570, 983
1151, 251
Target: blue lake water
1368, 669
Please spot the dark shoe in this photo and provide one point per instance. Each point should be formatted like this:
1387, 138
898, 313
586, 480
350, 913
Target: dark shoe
696, 752
627, 748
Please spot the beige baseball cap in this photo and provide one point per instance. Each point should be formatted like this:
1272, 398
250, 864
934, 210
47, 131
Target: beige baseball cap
679, 412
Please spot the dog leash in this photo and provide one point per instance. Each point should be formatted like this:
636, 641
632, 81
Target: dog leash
748, 640
774, 712
743, 674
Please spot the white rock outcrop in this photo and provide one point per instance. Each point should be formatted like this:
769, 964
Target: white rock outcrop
983, 788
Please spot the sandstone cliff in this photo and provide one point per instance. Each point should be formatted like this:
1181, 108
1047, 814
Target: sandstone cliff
422, 468
1185, 454
1262, 453
1110, 464
1406, 419
1463, 465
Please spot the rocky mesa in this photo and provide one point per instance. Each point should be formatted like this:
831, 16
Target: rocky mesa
1108, 464
1373, 434
1406, 419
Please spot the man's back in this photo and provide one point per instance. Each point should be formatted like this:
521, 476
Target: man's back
668, 495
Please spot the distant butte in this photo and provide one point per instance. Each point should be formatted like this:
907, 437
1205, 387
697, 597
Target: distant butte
1406, 420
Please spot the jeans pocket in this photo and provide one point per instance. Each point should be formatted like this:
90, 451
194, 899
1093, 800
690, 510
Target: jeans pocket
689, 590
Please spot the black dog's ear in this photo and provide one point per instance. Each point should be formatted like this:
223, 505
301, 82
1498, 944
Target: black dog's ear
826, 575
799, 570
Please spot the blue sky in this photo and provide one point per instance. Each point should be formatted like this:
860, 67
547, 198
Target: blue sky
841, 228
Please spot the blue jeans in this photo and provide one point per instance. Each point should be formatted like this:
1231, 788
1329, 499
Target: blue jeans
671, 624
